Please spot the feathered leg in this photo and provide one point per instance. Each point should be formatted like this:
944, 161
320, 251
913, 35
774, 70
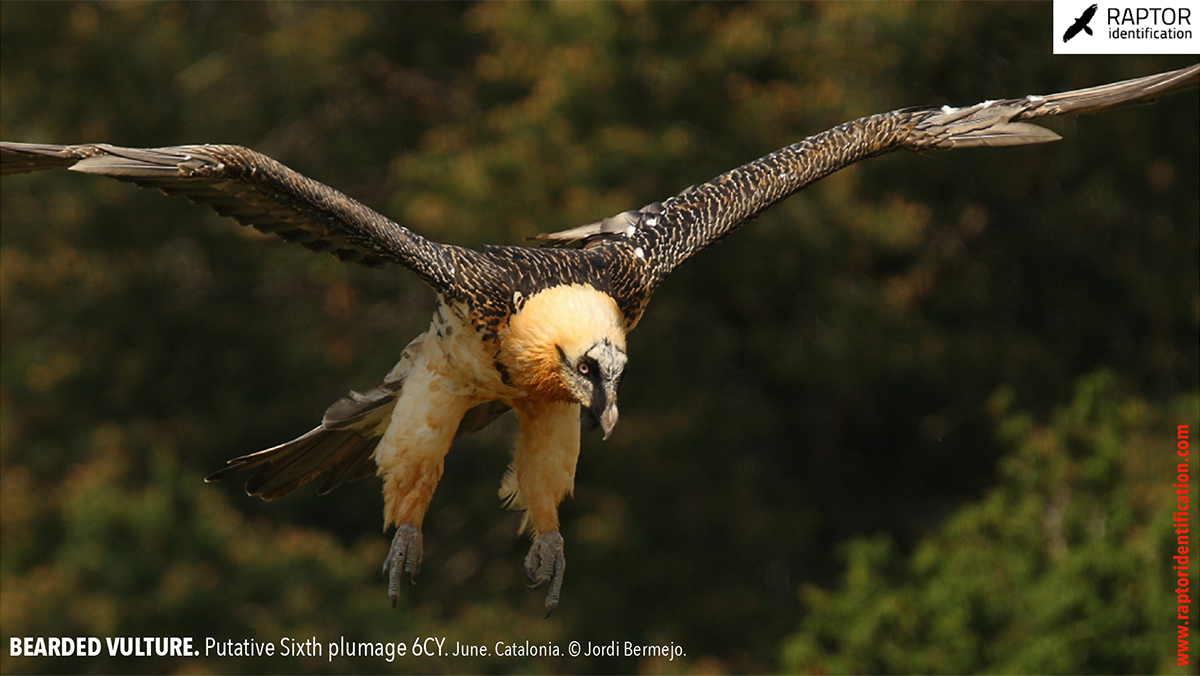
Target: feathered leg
541, 475
410, 459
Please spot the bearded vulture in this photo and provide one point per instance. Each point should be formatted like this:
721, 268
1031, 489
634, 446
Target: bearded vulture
540, 331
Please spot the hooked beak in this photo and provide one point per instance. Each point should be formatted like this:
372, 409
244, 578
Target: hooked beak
608, 419
604, 408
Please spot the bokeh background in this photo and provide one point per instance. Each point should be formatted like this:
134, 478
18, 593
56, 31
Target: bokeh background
918, 418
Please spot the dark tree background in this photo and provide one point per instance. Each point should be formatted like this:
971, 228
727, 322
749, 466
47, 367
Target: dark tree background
918, 418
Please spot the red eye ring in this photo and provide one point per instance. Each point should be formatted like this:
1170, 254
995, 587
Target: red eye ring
583, 368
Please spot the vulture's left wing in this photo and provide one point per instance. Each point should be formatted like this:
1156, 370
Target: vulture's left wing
664, 234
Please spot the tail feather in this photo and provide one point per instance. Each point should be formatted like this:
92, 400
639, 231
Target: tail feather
344, 443
346, 453
347, 472
301, 461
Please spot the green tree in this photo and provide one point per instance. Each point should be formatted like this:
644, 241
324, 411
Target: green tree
1063, 567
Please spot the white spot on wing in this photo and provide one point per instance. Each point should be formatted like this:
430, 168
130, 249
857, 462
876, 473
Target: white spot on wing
1035, 98
652, 221
637, 251
946, 110
630, 230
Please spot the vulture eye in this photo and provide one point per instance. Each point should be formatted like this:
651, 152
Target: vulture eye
583, 368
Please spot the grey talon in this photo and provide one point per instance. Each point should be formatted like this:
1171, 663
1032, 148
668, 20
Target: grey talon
403, 557
546, 563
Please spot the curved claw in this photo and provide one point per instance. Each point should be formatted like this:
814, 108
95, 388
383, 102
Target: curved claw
546, 563
404, 557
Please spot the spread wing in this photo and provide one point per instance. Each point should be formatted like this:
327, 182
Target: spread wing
663, 235
254, 190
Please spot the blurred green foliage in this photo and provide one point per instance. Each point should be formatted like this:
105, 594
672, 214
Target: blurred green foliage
915, 419
1058, 569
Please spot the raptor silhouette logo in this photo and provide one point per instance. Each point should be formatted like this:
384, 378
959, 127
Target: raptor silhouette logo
1081, 24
